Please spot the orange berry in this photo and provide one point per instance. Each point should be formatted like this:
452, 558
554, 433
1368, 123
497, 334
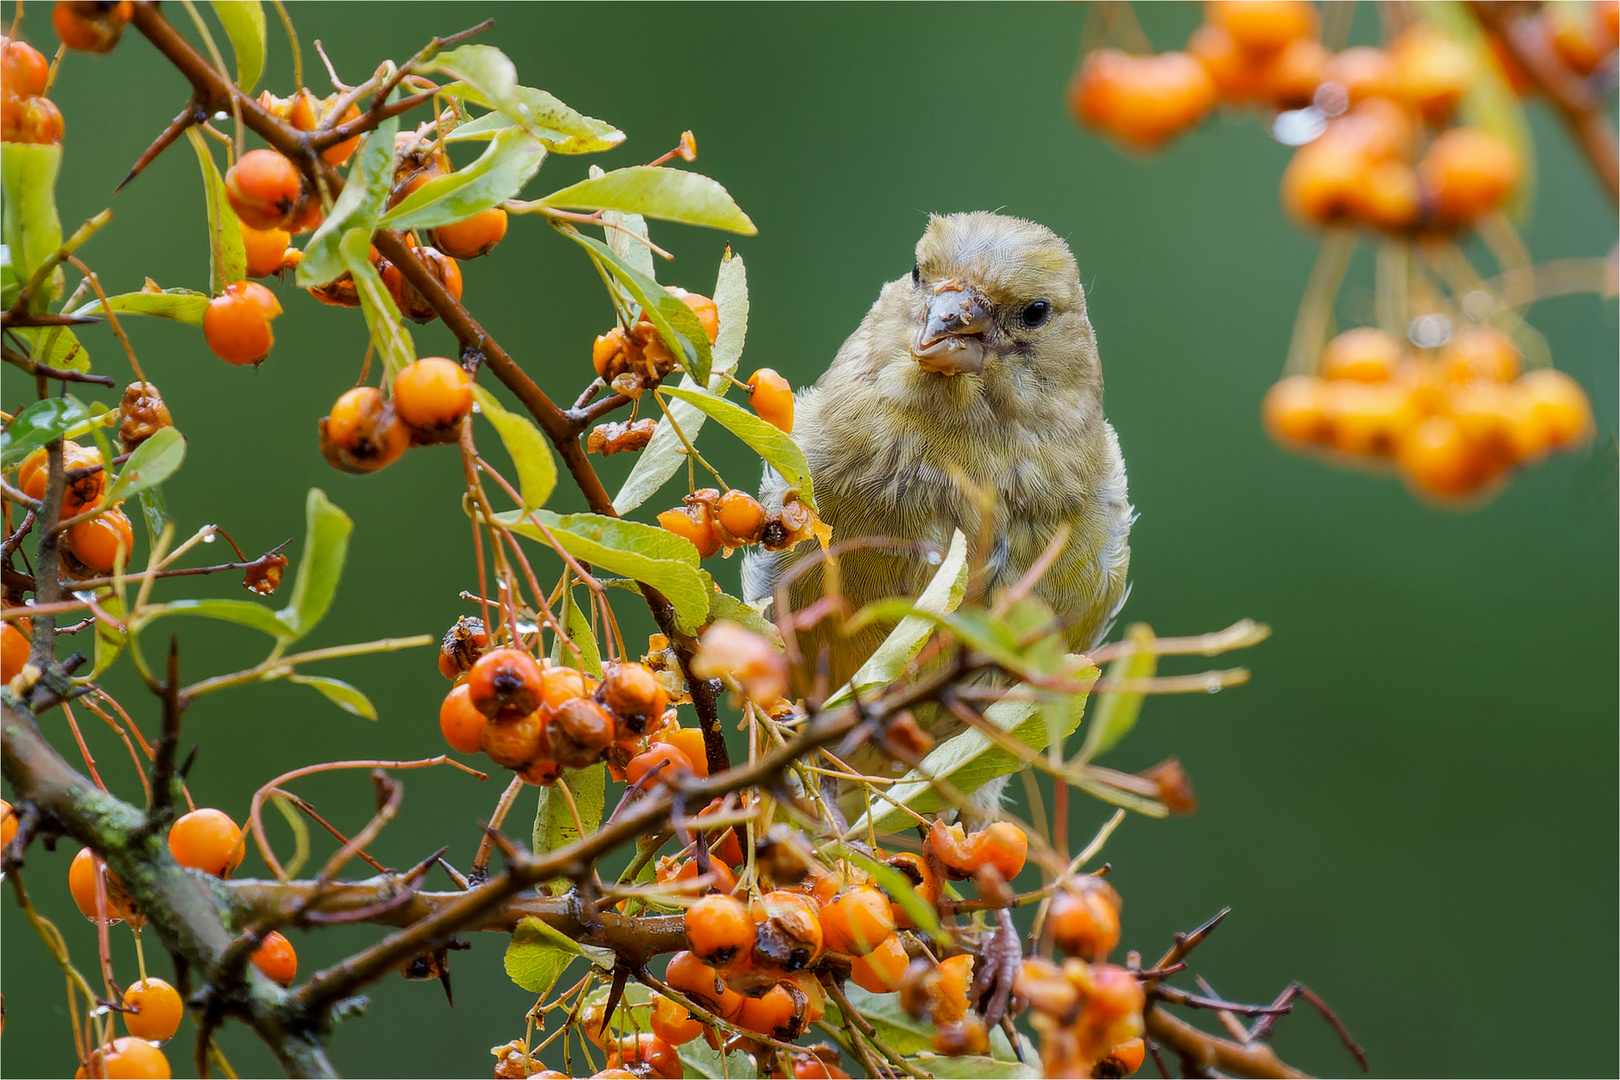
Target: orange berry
1323, 181
951, 846
1236, 74
707, 312
156, 1010
924, 882
1577, 36
276, 958
207, 840
236, 324
579, 732
433, 393
128, 1057
513, 739
82, 884
1002, 845
789, 935
35, 120
472, 237
950, 1000
23, 68
1293, 410
505, 680
694, 524
460, 723
634, 695
1122, 1060
1290, 78
689, 741
1389, 197
1116, 994
772, 398
1480, 354
672, 760
671, 869
1263, 25
14, 650
91, 27
645, 1054
1364, 72
698, 981
1369, 418
608, 348
779, 1012
562, 684
740, 516
1468, 172
719, 928
881, 970
1438, 457
1559, 414
362, 433
1084, 918
412, 304
99, 542
265, 189
1363, 354
34, 472
463, 644
674, 1023
857, 921
1141, 100
266, 250
1432, 70
8, 823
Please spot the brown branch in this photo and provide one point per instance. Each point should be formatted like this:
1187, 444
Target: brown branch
1206, 1052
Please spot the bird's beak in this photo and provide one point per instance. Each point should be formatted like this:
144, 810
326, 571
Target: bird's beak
951, 340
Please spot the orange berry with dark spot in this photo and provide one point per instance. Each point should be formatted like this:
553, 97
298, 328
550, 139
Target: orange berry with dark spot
924, 882
99, 542
513, 739
719, 928
505, 680
155, 1009
1434, 72
1369, 418
608, 348
472, 237
276, 958
644, 1054
1290, 78
789, 934
208, 840
1468, 172
772, 398
634, 695
433, 394
89, 26
461, 725
698, 981
579, 732
412, 304
881, 970
950, 845
236, 324
462, 645
266, 250
362, 433
740, 516
1123, 1060
779, 1012
265, 189
857, 921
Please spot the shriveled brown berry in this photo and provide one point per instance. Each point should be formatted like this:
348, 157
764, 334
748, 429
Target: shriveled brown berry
620, 437
412, 304
144, 415
463, 644
514, 739
634, 695
579, 732
1175, 789
263, 575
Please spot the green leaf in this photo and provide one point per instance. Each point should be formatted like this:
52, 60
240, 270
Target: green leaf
703, 1063
28, 220
394, 342
491, 81
622, 240
974, 1067
894, 1025
538, 954
181, 305
37, 425
529, 450
578, 625
10, 282
656, 192
358, 206
677, 324
723, 605
775, 446
499, 174
55, 346
905, 641
326, 544
651, 555
155, 512
339, 693
1117, 710
242, 612
227, 258
976, 628
665, 453
554, 826
153, 462
109, 642
970, 759
244, 25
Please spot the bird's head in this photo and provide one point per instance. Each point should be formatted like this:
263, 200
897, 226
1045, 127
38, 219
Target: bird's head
995, 296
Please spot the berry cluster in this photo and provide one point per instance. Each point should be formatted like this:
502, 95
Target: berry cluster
1454, 419
713, 521
633, 360
26, 114
366, 430
91, 546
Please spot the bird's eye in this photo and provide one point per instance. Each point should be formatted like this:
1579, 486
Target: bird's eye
1035, 313
916, 274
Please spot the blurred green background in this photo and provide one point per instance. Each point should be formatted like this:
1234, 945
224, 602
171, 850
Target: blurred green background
1411, 808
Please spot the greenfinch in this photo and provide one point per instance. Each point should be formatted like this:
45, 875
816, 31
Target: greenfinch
976, 374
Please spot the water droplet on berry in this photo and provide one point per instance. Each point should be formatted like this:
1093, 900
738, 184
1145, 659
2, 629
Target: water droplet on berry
1429, 331
1298, 126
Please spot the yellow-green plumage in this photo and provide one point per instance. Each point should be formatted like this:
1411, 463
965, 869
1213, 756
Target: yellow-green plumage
888, 440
